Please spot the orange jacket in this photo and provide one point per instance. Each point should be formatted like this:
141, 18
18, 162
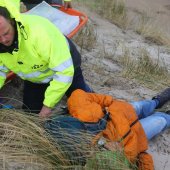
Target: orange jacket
123, 126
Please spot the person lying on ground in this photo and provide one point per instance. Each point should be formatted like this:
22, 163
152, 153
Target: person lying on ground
130, 125
34, 49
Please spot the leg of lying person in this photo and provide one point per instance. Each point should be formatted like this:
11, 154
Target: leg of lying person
144, 108
155, 124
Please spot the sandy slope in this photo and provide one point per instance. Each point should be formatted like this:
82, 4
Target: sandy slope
157, 9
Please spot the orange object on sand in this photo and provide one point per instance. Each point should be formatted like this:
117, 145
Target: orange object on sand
70, 11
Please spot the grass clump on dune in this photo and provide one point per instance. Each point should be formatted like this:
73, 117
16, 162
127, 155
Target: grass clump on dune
25, 144
86, 39
148, 72
109, 160
148, 29
117, 13
113, 10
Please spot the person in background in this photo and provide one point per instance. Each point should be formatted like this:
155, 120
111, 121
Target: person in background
34, 49
31, 3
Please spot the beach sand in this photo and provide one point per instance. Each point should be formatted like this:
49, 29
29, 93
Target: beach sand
158, 10
104, 71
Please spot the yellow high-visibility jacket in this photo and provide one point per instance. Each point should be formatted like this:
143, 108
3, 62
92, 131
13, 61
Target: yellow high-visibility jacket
43, 54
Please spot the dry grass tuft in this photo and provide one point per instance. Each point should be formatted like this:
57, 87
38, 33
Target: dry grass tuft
109, 160
113, 10
117, 13
25, 144
148, 29
86, 39
148, 72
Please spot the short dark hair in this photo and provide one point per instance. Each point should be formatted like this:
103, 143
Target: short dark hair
5, 13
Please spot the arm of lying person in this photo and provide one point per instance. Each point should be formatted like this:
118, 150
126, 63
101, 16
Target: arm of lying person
81, 98
109, 145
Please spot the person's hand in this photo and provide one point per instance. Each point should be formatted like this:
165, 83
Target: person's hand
23, 8
67, 4
45, 112
113, 146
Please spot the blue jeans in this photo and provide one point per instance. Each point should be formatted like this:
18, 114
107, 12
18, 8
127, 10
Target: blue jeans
152, 122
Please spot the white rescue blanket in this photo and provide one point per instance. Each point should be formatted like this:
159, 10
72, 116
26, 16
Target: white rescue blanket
65, 22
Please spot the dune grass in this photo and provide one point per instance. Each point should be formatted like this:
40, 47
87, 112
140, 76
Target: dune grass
108, 160
149, 72
117, 13
86, 38
113, 10
25, 144
150, 31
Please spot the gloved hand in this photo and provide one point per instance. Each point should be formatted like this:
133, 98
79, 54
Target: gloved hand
168, 112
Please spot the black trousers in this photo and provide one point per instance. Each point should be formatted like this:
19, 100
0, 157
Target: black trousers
32, 3
33, 96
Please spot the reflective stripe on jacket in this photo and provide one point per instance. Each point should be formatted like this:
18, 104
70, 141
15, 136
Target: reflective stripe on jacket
123, 126
43, 56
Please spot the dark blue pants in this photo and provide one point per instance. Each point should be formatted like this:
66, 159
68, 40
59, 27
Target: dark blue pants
32, 3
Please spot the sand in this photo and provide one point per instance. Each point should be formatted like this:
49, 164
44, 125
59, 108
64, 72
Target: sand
102, 72
159, 10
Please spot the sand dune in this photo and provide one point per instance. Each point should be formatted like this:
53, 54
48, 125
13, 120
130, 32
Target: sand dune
159, 10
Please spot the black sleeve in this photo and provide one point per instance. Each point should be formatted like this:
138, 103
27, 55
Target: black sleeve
35, 1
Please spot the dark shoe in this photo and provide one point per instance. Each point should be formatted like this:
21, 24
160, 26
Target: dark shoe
163, 97
168, 112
